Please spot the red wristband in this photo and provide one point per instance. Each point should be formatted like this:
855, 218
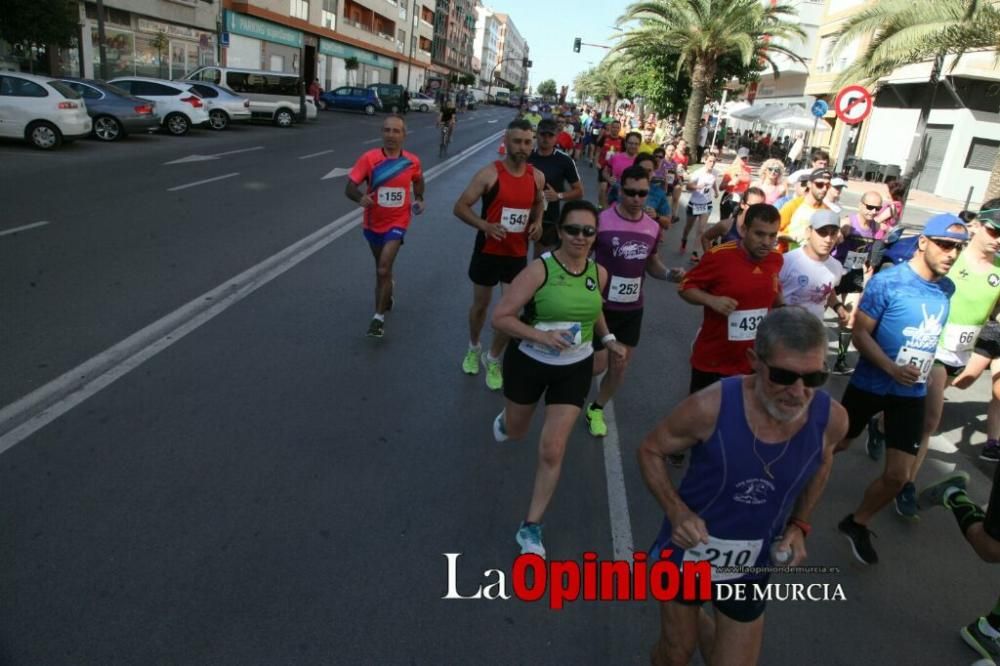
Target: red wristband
802, 525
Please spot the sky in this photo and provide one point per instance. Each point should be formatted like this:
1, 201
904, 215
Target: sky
550, 27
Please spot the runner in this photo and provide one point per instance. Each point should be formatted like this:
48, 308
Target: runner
389, 173
772, 180
560, 171
735, 180
899, 321
618, 162
986, 355
657, 202
737, 284
810, 275
564, 139
533, 116
857, 234
626, 248
511, 192
795, 214
704, 187
744, 502
607, 142
732, 229
560, 294
832, 199
593, 132
976, 275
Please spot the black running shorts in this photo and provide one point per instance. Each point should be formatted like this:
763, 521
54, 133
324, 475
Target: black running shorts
904, 417
853, 282
525, 379
625, 324
701, 379
488, 270
992, 522
988, 342
744, 610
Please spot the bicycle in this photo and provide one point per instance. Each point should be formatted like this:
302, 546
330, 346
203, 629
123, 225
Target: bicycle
445, 140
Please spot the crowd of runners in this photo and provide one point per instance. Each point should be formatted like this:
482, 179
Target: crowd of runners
757, 433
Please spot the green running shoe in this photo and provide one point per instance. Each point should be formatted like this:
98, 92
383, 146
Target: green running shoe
470, 364
933, 495
376, 329
595, 422
987, 646
494, 374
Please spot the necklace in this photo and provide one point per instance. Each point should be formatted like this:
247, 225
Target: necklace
767, 465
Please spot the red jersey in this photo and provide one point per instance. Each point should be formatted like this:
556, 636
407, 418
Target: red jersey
608, 143
389, 180
509, 203
727, 270
565, 142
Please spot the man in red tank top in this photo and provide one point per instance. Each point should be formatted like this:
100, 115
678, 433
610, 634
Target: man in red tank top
512, 206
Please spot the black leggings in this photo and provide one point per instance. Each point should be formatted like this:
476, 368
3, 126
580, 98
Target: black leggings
992, 522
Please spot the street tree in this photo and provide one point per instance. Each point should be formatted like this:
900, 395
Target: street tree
547, 88
33, 23
903, 32
702, 33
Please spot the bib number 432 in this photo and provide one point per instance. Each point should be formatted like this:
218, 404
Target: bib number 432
743, 324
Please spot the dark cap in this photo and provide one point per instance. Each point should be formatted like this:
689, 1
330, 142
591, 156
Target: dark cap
820, 174
547, 125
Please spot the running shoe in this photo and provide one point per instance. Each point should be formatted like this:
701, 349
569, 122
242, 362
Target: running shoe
876, 440
906, 502
684, 246
860, 538
976, 638
376, 329
494, 374
529, 538
470, 364
499, 431
933, 495
595, 422
990, 452
694, 258
841, 367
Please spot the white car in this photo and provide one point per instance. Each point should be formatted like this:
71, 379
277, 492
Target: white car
41, 110
177, 105
422, 102
224, 106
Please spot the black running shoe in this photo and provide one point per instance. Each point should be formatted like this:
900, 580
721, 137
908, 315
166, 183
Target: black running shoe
860, 538
376, 329
987, 646
841, 367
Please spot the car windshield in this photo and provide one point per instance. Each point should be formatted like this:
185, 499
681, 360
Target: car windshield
64, 90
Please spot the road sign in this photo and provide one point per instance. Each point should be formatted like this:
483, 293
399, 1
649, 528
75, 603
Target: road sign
853, 104
224, 39
819, 108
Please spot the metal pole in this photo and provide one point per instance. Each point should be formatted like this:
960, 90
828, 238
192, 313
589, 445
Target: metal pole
968, 198
413, 43
845, 134
101, 41
718, 120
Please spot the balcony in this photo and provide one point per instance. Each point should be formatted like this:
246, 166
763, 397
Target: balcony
365, 19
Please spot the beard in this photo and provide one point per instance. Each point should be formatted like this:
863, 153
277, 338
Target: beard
774, 409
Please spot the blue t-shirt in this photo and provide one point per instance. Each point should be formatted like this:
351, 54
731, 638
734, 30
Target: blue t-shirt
658, 200
910, 313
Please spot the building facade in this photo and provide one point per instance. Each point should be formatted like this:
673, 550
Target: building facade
454, 35
486, 45
513, 51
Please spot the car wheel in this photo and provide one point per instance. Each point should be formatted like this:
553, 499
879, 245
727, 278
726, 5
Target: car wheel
107, 128
424, 108
218, 119
370, 109
177, 124
44, 135
283, 118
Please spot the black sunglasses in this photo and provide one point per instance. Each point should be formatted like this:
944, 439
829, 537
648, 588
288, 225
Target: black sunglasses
871, 207
629, 192
821, 184
992, 231
827, 231
948, 245
787, 377
576, 230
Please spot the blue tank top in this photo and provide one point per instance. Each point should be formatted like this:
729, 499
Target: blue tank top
743, 508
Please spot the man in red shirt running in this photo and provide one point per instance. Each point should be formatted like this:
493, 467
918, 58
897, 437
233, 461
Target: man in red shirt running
389, 173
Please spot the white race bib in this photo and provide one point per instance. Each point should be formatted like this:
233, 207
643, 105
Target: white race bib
595, 132
855, 260
959, 338
924, 360
391, 197
573, 328
699, 209
624, 290
726, 553
514, 220
671, 178
743, 324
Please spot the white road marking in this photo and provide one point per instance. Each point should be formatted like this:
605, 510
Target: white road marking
365, 143
205, 158
322, 152
22, 418
202, 182
336, 173
621, 522
24, 228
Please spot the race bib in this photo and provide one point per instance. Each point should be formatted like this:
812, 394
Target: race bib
391, 197
855, 260
700, 209
573, 330
743, 324
726, 553
959, 338
924, 360
671, 178
624, 290
595, 132
514, 220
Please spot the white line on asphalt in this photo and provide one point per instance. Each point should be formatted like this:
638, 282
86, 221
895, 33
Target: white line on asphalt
202, 182
22, 418
365, 143
322, 152
24, 228
621, 523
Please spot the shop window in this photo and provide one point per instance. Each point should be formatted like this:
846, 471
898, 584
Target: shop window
982, 154
120, 50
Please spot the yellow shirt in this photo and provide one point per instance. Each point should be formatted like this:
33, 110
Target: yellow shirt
647, 147
533, 118
795, 217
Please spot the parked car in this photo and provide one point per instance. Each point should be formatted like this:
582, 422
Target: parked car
391, 95
224, 106
273, 96
114, 112
41, 110
423, 103
177, 105
352, 98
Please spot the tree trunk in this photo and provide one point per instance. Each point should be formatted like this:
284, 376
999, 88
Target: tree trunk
993, 187
914, 161
701, 79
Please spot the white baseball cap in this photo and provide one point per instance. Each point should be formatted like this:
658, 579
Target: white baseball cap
534, 108
743, 153
838, 182
799, 176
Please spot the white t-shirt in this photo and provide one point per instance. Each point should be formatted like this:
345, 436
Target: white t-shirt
807, 282
703, 180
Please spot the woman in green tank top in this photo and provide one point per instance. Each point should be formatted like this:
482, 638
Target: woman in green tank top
560, 295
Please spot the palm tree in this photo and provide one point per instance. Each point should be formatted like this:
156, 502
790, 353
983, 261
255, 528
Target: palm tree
702, 32
903, 32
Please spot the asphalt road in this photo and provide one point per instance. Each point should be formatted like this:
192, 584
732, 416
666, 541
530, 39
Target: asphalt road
268, 486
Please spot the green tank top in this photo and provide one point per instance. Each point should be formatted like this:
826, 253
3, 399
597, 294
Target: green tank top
564, 301
975, 296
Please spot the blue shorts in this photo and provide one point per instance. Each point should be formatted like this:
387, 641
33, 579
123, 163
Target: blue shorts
375, 238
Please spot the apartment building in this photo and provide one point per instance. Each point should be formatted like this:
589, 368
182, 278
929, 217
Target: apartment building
486, 44
789, 87
454, 35
513, 51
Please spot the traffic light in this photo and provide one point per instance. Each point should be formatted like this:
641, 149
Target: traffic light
576, 44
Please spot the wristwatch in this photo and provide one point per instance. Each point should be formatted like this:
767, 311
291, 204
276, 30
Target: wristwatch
559, 196
610, 337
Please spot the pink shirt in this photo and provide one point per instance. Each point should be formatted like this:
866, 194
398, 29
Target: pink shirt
618, 163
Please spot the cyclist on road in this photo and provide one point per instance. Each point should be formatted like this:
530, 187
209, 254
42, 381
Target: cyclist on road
448, 117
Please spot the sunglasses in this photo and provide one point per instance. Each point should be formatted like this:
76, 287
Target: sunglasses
775, 169
784, 377
576, 230
629, 192
871, 207
821, 184
827, 231
992, 231
948, 245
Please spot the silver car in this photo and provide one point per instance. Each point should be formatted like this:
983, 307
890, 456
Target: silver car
115, 113
224, 106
